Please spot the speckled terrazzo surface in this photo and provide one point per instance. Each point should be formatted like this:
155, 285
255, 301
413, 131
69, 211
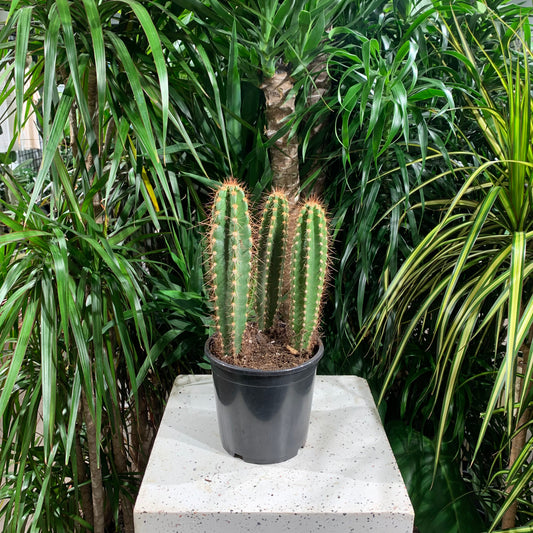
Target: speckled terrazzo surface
344, 480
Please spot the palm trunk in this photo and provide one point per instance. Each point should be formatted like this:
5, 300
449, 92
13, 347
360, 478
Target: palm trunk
284, 153
321, 86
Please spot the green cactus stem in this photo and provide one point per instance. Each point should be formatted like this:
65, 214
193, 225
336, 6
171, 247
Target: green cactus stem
230, 251
271, 250
307, 274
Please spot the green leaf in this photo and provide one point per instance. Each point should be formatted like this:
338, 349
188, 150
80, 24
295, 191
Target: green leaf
21, 50
221, 121
376, 114
516, 279
80, 340
136, 85
282, 13
233, 93
441, 503
25, 333
49, 152
316, 34
49, 337
159, 59
477, 225
21, 236
50, 58
518, 478
65, 16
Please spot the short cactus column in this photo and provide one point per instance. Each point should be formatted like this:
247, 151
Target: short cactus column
308, 274
230, 257
270, 258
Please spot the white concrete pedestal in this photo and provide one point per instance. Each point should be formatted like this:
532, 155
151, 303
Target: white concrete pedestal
344, 480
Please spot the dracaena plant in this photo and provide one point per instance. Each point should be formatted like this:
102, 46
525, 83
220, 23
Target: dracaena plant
247, 281
70, 257
278, 46
468, 283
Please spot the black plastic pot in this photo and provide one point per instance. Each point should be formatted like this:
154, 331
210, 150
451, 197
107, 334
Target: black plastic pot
263, 415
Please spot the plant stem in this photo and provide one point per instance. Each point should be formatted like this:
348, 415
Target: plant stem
84, 487
141, 435
72, 119
519, 440
95, 468
92, 97
109, 135
73, 131
121, 463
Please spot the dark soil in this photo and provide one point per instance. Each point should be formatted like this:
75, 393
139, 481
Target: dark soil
263, 350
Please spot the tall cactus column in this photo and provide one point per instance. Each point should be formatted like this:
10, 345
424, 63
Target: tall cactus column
307, 273
271, 250
230, 251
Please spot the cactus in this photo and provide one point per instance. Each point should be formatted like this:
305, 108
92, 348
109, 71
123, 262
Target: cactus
271, 250
230, 251
230, 256
307, 273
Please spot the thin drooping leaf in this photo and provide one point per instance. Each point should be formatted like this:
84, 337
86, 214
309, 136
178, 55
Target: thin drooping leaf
49, 152
479, 221
50, 59
159, 59
19, 353
233, 92
473, 267
49, 336
21, 50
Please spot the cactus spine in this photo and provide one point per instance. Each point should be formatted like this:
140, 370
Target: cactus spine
230, 250
307, 273
271, 250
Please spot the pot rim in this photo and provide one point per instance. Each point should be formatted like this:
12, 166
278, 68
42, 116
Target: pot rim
266, 373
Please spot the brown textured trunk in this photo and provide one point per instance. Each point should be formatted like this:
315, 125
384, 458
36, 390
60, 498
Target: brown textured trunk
84, 487
519, 440
145, 432
135, 441
321, 86
140, 433
121, 464
92, 99
284, 153
98, 495
73, 121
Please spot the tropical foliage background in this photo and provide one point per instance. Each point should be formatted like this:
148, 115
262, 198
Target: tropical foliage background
412, 118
